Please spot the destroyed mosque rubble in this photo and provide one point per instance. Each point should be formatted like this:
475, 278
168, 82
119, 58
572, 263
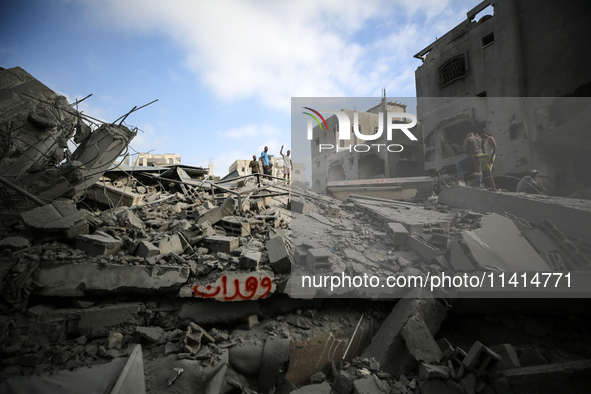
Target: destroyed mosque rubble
165, 280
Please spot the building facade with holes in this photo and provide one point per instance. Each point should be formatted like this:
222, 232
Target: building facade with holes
343, 163
519, 69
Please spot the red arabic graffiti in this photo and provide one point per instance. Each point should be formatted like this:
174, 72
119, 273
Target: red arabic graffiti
232, 290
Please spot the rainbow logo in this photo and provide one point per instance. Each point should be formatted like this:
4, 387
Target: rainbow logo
315, 118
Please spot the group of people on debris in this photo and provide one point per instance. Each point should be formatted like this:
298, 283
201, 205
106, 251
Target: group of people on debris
267, 165
481, 151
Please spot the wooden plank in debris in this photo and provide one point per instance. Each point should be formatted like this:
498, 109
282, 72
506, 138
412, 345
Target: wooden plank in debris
112, 196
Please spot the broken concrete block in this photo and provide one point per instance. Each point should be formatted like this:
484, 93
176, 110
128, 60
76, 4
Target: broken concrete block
98, 321
249, 260
14, 243
317, 258
130, 220
171, 245
334, 213
299, 206
198, 233
370, 385
98, 244
235, 227
425, 250
459, 260
278, 255
195, 337
222, 244
227, 207
420, 341
446, 348
147, 249
430, 371
152, 334
343, 382
398, 233
480, 358
300, 254
65, 279
388, 346
59, 217
212, 216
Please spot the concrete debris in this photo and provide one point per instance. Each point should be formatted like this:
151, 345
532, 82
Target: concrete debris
207, 275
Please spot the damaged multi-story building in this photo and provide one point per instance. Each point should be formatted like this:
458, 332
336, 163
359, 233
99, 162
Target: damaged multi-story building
339, 159
485, 73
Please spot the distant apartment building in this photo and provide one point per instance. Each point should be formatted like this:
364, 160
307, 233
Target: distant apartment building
518, 69
147, 159
344, 163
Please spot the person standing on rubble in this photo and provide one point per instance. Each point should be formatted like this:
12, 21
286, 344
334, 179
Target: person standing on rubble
266, 163
255, 169
471, 147
287, 164
487, 158
527, 184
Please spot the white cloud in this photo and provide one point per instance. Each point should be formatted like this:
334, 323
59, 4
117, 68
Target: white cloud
273, 50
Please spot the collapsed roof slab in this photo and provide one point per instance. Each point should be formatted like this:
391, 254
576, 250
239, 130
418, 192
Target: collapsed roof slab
570, 220
388, 188
498, 244
413, 218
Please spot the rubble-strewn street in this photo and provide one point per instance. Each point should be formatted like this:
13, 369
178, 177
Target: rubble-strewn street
164, 279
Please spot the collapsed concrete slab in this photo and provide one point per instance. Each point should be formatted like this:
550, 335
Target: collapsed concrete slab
61, 279
388, 188
568, 219
232, 286
412, 217
58, 218
388, 346
498, 244
98, 321
98, 244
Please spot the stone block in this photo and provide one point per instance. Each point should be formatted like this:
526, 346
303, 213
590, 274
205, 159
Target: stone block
420, 341
278, 255
343, 382
147, 249
98, 244
300, 254
171, 245
222, 244
250, 260
299, 206
398, 233
59, 217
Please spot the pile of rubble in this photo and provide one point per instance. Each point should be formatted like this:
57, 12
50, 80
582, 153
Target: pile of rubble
193, 284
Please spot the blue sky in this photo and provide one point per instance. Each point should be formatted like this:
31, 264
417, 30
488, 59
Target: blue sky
223, 71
